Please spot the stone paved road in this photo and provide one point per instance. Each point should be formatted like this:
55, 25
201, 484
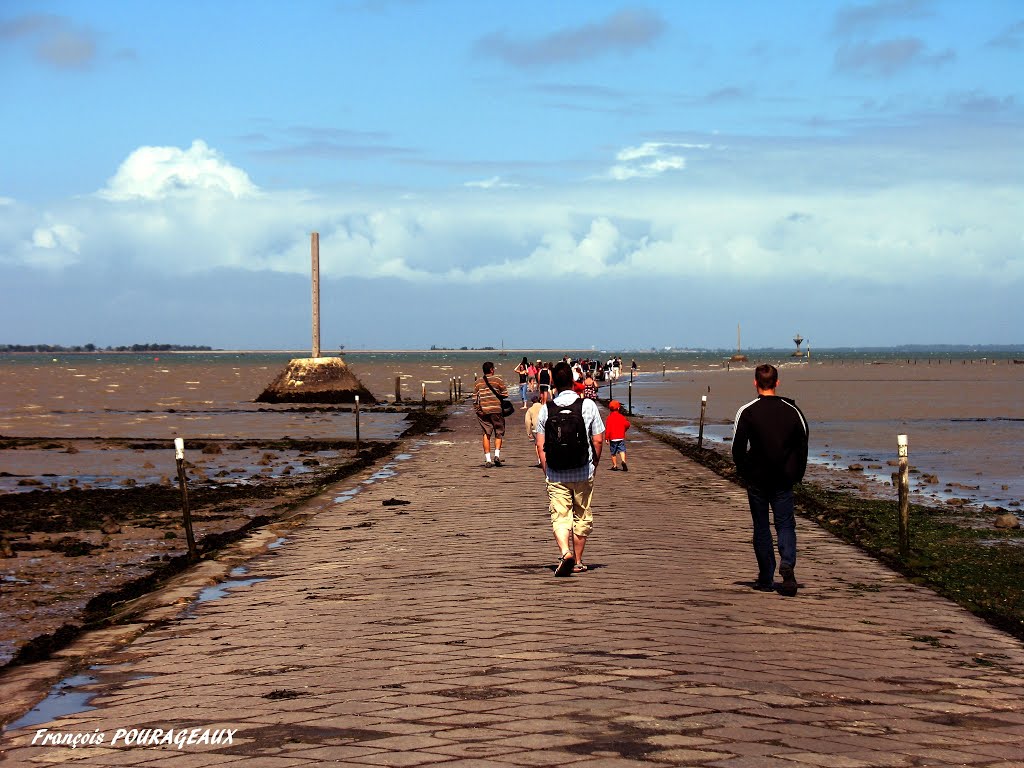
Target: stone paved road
434, 633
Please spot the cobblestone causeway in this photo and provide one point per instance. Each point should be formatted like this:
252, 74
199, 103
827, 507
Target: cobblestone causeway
434, 633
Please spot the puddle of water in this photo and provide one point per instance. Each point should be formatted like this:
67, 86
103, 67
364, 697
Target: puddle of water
346, 495
381, 474
219, 591
237, 571
403, 457
60, 701
277, 543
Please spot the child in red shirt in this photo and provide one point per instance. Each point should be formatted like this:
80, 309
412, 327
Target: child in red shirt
615, 433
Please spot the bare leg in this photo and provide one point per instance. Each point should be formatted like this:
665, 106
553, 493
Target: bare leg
487, 444
579, 542
562, 537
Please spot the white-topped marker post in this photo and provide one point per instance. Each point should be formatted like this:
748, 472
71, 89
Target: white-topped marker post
700, 430
357, 423
179, 458
904, 495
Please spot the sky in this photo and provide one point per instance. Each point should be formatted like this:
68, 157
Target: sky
567, 175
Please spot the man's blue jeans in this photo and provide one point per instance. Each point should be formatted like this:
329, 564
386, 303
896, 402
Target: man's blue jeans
781, 503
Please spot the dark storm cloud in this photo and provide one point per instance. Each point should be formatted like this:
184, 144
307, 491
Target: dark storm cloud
54, 39
622, 32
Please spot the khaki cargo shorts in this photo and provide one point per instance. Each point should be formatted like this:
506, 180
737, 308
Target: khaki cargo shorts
570, 506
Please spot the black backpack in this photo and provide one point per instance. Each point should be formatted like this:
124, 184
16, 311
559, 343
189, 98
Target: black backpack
566, 442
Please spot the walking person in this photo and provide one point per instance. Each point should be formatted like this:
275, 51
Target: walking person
523, 369
615, 434
487, 395
570, 434
538, 401
769, 446
544, 377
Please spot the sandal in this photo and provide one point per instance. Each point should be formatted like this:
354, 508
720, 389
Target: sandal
566, 564
579, 568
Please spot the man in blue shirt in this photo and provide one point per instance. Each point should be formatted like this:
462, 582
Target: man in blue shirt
570, 483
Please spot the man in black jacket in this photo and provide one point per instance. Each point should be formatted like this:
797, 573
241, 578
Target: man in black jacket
769, 446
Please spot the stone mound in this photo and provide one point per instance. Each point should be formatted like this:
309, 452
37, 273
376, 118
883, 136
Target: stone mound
316, 380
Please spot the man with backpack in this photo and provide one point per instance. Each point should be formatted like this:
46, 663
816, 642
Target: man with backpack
570, 434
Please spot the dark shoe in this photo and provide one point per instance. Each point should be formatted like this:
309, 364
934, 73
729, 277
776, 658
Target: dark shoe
614, 468
488, 465
624, 467
565, 565
497, 461
764, 586
538, 465
789, 585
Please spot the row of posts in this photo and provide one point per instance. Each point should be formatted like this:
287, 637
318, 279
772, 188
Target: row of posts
454, 390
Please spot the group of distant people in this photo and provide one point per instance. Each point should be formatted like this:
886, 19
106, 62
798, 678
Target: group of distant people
564, 422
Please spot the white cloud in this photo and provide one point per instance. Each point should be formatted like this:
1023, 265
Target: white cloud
649, 159
54, 246
495, 182
769, 225
155, 173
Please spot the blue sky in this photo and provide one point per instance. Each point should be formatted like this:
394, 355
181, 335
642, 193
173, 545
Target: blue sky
547, 174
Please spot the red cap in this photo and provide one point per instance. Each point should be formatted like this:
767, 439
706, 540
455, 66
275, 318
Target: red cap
614, 405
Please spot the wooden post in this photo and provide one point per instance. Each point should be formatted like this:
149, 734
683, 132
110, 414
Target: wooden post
663, 367
610, 382
179, 457
423, 394
451, 390
630, 400
904, 496
357, 423
700, 431
315, 248
398, 389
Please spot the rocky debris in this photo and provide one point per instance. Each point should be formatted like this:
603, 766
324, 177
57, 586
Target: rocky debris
110, 526
1007, 520
316, 380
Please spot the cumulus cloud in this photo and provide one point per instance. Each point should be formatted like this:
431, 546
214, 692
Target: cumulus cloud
623, 32
154, 173
167, 221
55, 40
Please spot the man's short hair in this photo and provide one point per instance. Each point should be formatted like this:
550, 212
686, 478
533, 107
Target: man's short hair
488, 368
561, 376
766, 376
